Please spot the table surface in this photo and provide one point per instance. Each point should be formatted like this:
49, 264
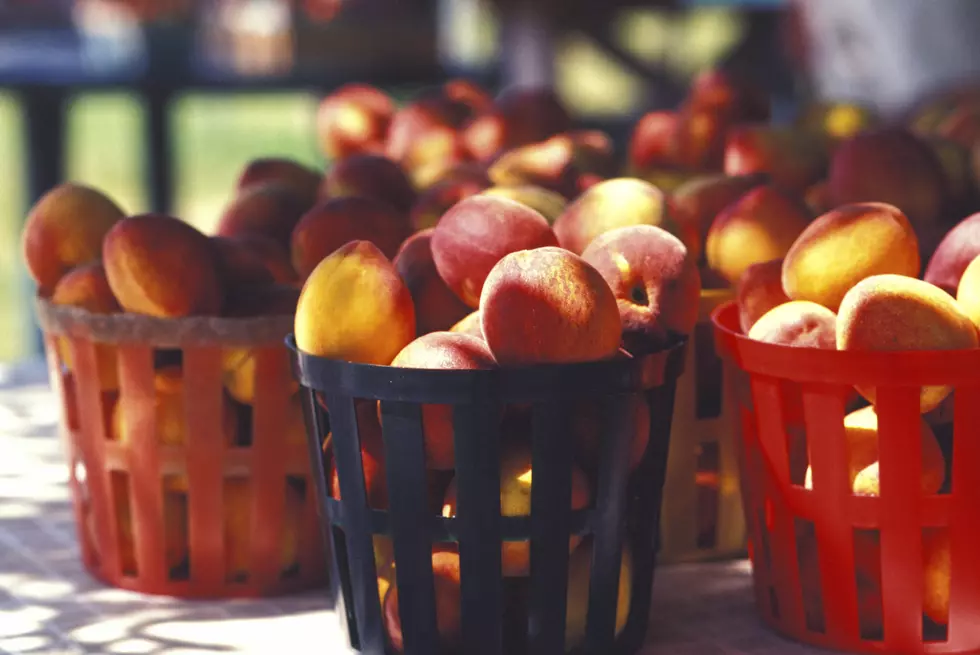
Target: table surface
50, 605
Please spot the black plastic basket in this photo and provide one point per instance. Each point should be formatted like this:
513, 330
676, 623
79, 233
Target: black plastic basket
625, 507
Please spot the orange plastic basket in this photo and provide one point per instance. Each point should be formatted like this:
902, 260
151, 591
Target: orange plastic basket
225, 511
702, 515
808, 547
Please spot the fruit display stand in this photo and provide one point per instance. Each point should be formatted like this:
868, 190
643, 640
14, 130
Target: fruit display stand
621, 524
226, 511
702, 514
860, 573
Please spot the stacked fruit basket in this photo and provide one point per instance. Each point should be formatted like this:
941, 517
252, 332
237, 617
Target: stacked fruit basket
505, 396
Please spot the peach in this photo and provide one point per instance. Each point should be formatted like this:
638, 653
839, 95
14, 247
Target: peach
475, 233
549, 204
372, 462
793, 159
650, 143
846, 245
758, 227
955, 252
443, 350
836, 120
160, 266
698, 140
548, 306
238, 374
337, 221
667, 180
655, 281
354, 306
577, 603
759, 289
262, 300
238, 529
436, 306
468, 93
696, 202
353, 119
618, 202
894, 312
893, 166
301, 180
725, 95
588, 430
175, 528
467, 171
549, 164
433, 153
520, 115
515, 500
968, 292
797, 323
239, 265
65, 228
267, 210
370, 176
438, 198
469, 324
936, 561
448, 599
432, 112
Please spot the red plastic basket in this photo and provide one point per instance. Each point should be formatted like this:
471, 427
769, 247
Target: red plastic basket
788, 396
130, 494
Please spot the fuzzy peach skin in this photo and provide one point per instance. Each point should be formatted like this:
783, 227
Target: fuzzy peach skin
968, 292
416, 122
334, 222
519, 115
266, 210
759, 289
792, 158
515, 500
353, 119
650, 143
861, 437
252, 252
436, 306
655, 281
845, 246
549, 204
293, 176
448, 600
618, 202
760, 226
65, 228
354, 306
936, 560
894, 312
549, 164
797, 323
86, 286
369, 176
959, 247
439, 198
160, 266
476, 233
548, 306
442, 350
469, 324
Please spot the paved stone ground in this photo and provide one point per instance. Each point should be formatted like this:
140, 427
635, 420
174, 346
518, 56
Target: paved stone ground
50, 605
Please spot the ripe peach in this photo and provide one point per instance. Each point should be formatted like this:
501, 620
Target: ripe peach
727, 96
519, 116
370, 176
892, 166
793, 159
549, 204
448, 599
655, 281
443, 350
475, 233
239, 265
337, 221
86, 286
515, 500
587, 428
937, 563
238, 373
955, 252
577, 603
758, 227
650, 142
267, 210
548, 305
696, 202
758, 290
160, 266
698, 140
65, 228
372, 458
467, 171
797, 323
846, 245
968, 292
432, 112
469, 324
468, 93
353, 119
618, 202
436, 306
549, 164
285, 173
438, 198
433, 153
894, 312
354, 306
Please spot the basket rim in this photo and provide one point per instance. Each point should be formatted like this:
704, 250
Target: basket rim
517, 384
906, 368
129, 328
